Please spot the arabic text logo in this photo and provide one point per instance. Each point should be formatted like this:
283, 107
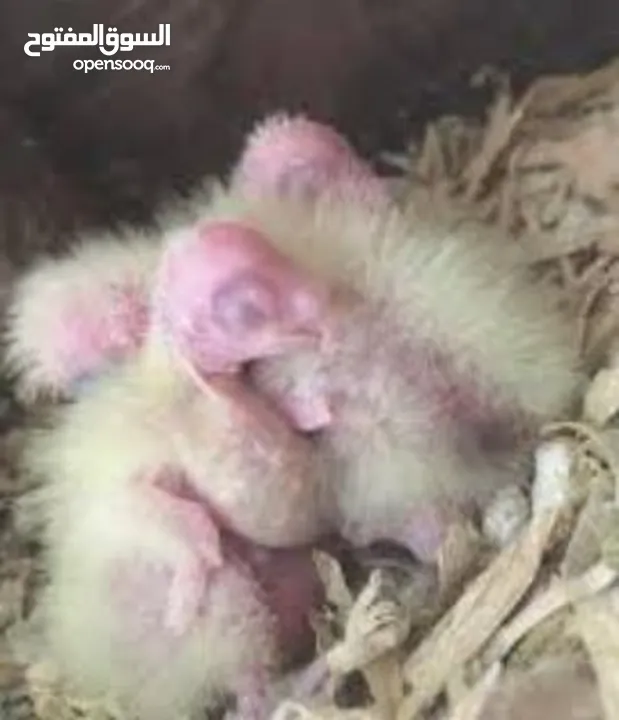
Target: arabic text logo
109, 42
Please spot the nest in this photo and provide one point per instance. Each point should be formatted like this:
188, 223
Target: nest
529, 622
534, 632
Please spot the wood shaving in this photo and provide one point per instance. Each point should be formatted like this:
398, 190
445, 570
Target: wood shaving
480, 611
597, 622
458, 555
295, 711
472, 704
584, 547
386, 682
602, 398
560, 593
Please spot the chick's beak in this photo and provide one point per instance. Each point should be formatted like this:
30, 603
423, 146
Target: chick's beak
312, 321
302, 338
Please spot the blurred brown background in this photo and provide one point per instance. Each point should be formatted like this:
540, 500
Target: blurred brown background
88, 150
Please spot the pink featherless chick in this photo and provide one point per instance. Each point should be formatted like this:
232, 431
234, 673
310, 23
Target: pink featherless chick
293, 156
156, 478
71, 317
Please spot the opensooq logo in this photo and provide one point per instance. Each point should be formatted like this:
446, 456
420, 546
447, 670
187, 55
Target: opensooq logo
109, 42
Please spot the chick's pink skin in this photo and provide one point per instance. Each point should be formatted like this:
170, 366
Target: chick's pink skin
285, 579
84, 338
226, 297
206, 278
296, 156
191, 521
400, 371
63, 324
158, 605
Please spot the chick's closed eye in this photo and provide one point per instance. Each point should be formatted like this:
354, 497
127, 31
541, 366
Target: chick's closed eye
243, 304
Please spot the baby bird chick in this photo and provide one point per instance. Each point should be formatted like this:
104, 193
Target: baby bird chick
439, 371
152, 604
71, 317
297, 157
153, 476
441, 366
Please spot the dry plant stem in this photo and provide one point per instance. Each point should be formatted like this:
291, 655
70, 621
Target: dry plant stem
508, 195
602, 399
457, 687
384, 677
332, 577
456, 557
560, 594
503, 122
294, 711
431, 165
597, 623
476, 616
598, 267
555, 94
585, 311
472, 704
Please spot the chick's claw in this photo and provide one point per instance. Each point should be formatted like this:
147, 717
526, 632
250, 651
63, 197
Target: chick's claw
375, 626
384, 616
383, 628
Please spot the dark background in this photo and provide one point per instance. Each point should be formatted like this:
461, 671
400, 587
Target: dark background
88, 150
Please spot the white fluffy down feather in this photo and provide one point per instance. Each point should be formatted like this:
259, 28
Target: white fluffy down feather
438, 377
96, 464
69, 316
